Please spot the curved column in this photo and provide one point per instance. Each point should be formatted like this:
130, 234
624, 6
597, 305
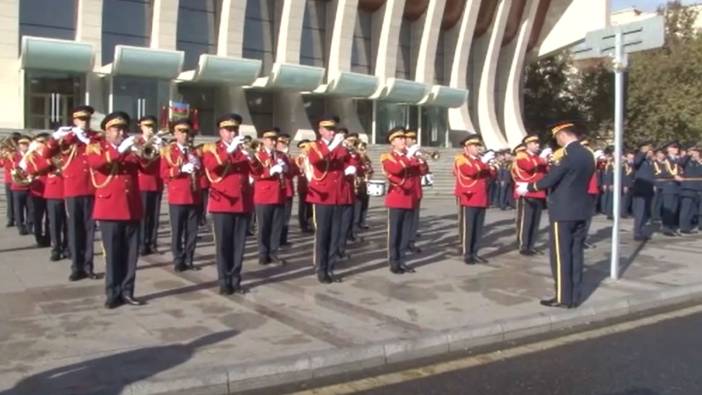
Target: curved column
431, 23
513, 61
164, 24
389, 27
459, 118
489, 46
342, 37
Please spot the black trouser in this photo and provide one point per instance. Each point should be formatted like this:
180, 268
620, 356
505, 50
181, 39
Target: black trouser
567, 257
502, 192
472, 232
58, 229
626, 202
345, 228
202, 207
641, 208
287, 213
20, 204
327, 222
41, 220
148, 232
608, 202
360, 211
269, 218
669, 215
9, 210
230, 240
30, 213
399, 234
690, 204
528, 219
121, 242
414, 224
184, 224
304, 214
81, 232
657, 208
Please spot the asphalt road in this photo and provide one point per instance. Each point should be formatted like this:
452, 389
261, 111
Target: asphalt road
658, 358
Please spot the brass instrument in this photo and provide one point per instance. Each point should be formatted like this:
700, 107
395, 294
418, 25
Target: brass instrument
251, 147
149, 149
433, 155
8, 145
19, 176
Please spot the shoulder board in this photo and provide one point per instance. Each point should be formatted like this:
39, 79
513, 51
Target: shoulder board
387, 156
209, 147
521, 155
93, 148
460, 159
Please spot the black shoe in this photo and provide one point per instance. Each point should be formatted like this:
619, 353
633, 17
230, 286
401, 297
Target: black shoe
228, 290
469, 261
180, 268
75, 276
406, 268
193, 268
553, 302
23, 231
641, 238
92, 276
9, 224
344, 256
286, 244
55, 256
480, 259
526, 252
263, 260
113, 303
324, 279
132, 300
364, 227
669, 233
396, 270
335, 278
689, 232
145, 251
277, 260
414, 249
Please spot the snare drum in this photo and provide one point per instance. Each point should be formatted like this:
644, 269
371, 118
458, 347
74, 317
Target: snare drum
376, 188
428, 180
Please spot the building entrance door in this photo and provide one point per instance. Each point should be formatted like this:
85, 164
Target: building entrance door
50, 98
139, 96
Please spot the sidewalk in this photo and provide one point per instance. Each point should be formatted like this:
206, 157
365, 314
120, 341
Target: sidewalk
56, 337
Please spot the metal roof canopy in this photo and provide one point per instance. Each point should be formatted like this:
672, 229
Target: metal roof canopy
617, 42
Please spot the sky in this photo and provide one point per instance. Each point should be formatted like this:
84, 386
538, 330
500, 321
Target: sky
646, 5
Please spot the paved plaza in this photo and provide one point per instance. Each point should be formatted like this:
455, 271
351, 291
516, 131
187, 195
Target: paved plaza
56, 337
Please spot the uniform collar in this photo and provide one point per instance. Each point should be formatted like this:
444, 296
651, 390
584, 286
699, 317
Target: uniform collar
182, 148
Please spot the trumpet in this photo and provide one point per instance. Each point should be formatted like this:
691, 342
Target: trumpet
251, 147
150, 148
433, 155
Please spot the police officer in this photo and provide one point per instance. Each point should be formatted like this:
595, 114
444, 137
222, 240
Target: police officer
627, 182
269, 198
403, 169
180, 170
227, 167
691, 192
473, 173
330, 164
151, 189
642, 189
669, 174
530, 165
118, 207
68, 143
569, 206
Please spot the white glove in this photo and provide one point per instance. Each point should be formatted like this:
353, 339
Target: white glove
276, 169
282, 164
488, 157
598, 154
546, 152
350, 170
80, 135
522, 188
338, 138
33, 146
23, 164
125, 145
158, 141
61, 132
187, 168
231, 148
412, 150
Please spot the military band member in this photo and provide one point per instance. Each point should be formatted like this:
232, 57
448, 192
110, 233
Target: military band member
691, 193
401, 166
530, 166
118, 207
593, 188
642, 189
569, 206
150, 187
68, 145
347, 193
473, 173
269, 198
669, 174
411, 137
37, 201
304, 208
291, 171
20, 187
228, 167
365, 172
180, 170
7, 153
329, 161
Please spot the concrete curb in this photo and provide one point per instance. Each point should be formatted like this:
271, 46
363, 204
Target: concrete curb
267, 373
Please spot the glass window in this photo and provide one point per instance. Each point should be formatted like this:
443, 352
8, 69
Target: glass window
361, 52
313, 33
197, 29
125, 22
439, 61
259, 32
48, 18
388, 116
202, 102
434, 126
261, 108
404, 50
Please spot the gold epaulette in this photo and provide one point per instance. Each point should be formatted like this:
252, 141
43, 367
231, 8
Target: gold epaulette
386, 156
558, 155
459, 159
209, 147
93, 148
521, 155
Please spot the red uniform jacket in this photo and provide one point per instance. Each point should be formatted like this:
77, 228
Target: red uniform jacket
181, 189
472, 178
54, 187
403, 173
75, 169
291, 172
6, 163
15, 165
38, 186
116, 180
268, 188
53, 182
529, 168
150, 177
228, 176
327, 173
301, 177
348, 195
